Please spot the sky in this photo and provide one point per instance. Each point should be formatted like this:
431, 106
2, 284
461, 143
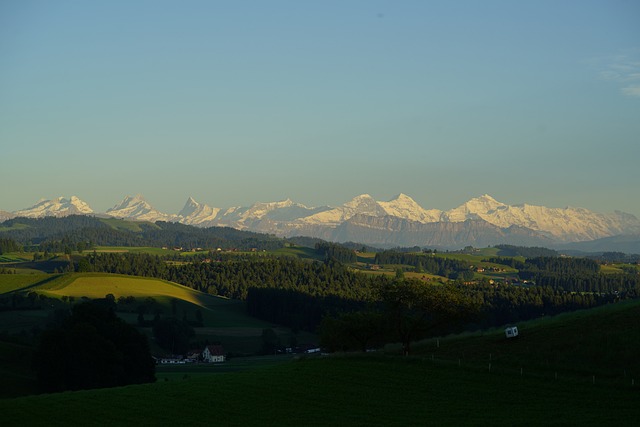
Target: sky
236, 102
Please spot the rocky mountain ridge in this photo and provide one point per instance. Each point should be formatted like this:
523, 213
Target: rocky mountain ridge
398, 222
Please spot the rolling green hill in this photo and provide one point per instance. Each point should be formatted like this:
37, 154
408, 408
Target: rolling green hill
97, 285
603, 341
225, 320
371, 391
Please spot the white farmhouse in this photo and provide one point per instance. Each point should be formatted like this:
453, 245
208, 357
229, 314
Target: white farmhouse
213, 354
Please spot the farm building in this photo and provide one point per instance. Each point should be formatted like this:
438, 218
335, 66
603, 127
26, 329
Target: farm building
213, 354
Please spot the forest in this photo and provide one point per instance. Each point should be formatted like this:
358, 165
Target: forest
298, 293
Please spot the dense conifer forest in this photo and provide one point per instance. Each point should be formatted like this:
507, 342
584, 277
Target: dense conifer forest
298, 292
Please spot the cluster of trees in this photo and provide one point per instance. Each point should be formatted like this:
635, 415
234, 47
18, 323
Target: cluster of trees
578, 275
92, 348
508, 261
134, 264
234, 277
626, 285
337, 252
9, 245
507, 303
524, 251
446, 267
406, 310
557, 265
617, 257
297, 309
562, 265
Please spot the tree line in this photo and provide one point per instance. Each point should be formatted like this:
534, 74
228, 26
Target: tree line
337, 252
445, 267
524, 251
9, 245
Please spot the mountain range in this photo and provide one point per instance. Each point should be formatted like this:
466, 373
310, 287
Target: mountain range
482, 221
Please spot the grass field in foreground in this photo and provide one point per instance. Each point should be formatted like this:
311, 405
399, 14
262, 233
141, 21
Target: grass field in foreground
364, 391
602, 341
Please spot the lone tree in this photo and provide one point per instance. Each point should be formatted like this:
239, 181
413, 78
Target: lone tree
92, 348
416, 310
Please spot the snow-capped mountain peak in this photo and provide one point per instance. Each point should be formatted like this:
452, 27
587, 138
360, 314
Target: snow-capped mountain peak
403, 206
401, 214
130, 205
136, 207
56, 207
364, 204
478, 207
194, 213
484, 203
189, 207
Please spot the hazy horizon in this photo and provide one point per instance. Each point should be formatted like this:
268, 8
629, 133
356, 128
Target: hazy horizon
234, 103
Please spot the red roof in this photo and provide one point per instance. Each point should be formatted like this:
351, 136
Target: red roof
216, 350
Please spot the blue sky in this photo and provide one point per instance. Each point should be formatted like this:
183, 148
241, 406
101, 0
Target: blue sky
244, 101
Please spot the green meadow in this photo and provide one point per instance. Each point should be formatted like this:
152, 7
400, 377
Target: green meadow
346, 391
134, 249
13, 282
12, 257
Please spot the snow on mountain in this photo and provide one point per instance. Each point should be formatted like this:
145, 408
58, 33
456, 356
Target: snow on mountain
403, 206
363, 204
266, 217
56, 207
567, 224
473, 209
194, 213
4, 215
287, 218
261, 210
138, 208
